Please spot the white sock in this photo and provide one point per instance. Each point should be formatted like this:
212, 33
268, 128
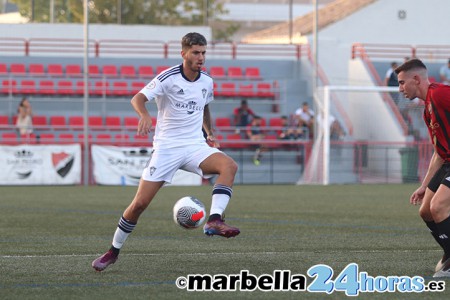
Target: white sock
220, 198
120, 237
124, 228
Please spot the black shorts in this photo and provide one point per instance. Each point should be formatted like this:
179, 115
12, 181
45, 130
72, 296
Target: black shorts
442, 176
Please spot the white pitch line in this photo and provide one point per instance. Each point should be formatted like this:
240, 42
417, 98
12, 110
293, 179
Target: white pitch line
220, 253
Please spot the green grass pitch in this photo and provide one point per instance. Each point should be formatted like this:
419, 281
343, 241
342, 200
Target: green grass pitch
50, 235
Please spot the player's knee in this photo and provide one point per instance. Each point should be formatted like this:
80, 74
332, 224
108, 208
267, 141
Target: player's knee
231, 167
425, 213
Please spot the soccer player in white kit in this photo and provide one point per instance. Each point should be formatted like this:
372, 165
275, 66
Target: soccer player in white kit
182, 94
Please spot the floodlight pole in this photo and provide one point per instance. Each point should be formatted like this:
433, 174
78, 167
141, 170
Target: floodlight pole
86, 94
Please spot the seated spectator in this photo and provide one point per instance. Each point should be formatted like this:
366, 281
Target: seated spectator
24, 121
255, 133
243, 115
444, 73
304, 117
289, 132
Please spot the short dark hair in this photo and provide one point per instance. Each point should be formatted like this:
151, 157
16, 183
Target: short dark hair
409, 65
193, 38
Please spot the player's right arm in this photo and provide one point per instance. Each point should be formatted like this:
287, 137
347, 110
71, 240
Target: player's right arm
145, 121
435, 163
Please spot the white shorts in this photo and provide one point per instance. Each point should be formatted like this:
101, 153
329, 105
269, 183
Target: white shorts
165, 162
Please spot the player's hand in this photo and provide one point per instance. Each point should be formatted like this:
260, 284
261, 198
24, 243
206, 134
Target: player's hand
145, 125
417, 196
212, 142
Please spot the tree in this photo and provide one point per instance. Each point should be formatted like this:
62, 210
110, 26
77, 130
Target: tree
157, 12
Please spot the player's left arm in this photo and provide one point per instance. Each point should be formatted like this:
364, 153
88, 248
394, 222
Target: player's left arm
207, 126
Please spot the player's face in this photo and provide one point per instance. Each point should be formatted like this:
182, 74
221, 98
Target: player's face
408, 84
194, 58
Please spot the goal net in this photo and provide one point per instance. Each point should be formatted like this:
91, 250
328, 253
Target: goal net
374, 135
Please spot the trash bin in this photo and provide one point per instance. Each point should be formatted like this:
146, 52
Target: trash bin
410, 164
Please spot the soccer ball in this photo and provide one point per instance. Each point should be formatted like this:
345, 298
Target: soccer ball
189, 212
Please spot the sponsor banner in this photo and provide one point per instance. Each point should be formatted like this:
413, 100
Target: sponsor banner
124, 165
40, 164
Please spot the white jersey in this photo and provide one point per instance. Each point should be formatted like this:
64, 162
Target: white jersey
180, 105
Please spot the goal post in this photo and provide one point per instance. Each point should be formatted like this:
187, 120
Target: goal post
377, 123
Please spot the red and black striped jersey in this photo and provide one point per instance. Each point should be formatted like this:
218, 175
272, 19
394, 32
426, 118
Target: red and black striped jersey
437, 118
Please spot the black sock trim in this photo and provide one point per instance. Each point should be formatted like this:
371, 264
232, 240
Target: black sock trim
214, 217
114, 250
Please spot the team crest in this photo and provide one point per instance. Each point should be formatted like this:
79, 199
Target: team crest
204, 93
152, 170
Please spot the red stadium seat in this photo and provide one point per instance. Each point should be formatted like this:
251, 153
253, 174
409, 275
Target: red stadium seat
264, 90
100, 88
112, 123
130, 123
47, 138
110, 71
252, 73
47, 87
40, 122
122, 139
146, 72
17, 69
66, 138
9, 86
36, 70
228, 89
142, 141
3, 69
76, 122
235, 73
9, 138
28, 139
65, 87
246, 90
94, 71
136, 86
95, 123
4, 121
120, 88
73, 71
55, 70
103, 138
276, 122
27, 87
79, 88
58, 122
217, 72
223, 124
127, 71
234, 141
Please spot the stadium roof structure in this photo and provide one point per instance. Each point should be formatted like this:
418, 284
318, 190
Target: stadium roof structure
303, 26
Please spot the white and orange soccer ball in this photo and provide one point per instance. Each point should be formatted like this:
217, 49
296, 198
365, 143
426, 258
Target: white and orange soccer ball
189, 212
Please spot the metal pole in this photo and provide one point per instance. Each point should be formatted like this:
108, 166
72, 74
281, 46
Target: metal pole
119, 11
86, 94
52, 11
291, 23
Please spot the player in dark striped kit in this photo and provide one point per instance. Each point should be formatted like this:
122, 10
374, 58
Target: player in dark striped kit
434, 192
